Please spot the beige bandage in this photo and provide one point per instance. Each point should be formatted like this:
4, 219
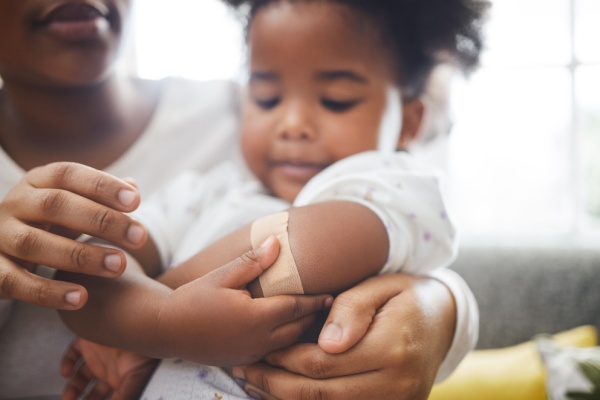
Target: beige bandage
282, 277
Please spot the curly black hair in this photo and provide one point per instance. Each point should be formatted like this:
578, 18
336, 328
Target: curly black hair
420, 33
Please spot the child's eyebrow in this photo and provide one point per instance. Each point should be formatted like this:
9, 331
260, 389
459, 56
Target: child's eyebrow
264, 76
340, 74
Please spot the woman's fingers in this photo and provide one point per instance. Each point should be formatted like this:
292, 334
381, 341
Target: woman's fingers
397, 358
20, 284
64, 197
269, 382
353, 310
41, 247
87, 182
48, 207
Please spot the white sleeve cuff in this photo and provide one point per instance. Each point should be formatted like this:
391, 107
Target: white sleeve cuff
467, 321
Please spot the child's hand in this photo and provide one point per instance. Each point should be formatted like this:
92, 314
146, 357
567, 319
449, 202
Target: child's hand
214, 320
114, 373
73, 199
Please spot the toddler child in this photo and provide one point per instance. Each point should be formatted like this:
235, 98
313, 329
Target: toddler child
332, 106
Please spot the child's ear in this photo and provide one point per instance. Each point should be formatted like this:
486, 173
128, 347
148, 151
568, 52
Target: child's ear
412, 116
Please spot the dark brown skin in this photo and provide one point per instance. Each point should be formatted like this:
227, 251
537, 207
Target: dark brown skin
51, 94
330, 258
163, 323
63, 102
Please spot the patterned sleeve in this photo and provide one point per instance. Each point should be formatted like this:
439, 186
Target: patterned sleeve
170, 212
406, 196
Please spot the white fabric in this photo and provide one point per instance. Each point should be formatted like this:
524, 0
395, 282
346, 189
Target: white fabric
197, 209
467, 321
194, 127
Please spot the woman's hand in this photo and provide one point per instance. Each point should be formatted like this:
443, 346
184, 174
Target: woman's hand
384, 339
103, 372
223, 325
39, 218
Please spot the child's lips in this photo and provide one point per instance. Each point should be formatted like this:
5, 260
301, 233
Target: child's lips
75, 21
298, 171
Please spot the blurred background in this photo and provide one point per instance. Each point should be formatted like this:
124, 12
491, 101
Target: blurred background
523, 149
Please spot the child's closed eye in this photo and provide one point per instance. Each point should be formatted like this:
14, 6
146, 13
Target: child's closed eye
339, 105
267, 103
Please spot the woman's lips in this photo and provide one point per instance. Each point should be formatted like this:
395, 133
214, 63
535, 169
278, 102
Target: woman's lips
81, 21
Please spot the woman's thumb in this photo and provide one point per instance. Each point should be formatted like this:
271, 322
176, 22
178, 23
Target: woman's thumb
240, 272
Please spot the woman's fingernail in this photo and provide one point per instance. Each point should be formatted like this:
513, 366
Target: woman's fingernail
135, 234
238, 373
332, 333
126, 197
73, 298
113, 262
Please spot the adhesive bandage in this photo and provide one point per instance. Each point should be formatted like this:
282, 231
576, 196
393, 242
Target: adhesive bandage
282, 277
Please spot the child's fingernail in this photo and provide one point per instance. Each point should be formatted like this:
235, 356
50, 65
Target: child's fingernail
73, 298
332, 333
328, 302
135, 234
253, 394
268, 242
113, 262
126, 197
238, 373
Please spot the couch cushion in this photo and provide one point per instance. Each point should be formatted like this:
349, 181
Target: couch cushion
523, 291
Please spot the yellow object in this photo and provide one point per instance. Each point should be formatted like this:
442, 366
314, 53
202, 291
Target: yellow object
514, 373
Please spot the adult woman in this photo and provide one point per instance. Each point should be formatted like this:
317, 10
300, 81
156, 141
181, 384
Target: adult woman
62, 100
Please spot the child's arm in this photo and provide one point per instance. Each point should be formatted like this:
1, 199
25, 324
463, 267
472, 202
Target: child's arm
334, 244
209, 320
366, 214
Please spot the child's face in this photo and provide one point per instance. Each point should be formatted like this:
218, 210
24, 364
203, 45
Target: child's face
58, 42
317, 92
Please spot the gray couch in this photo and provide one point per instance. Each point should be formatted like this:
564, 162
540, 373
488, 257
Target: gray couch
523, 291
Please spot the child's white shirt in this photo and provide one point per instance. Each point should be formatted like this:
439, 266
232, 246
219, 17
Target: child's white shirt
197, 209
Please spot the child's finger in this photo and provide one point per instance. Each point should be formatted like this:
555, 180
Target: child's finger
79, 384
289, 333
244, 269
70, 359
100, 391
279, 310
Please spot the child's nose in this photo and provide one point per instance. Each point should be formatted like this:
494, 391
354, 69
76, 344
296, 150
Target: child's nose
297, 124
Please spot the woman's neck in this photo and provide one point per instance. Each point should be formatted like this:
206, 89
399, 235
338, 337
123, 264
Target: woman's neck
94, 125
